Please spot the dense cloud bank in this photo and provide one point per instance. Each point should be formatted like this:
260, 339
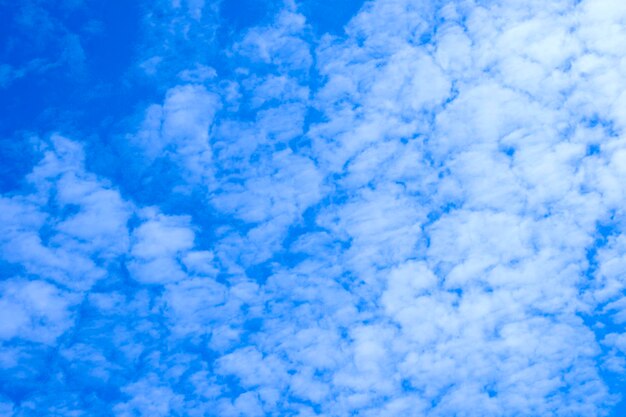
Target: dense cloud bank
421, 215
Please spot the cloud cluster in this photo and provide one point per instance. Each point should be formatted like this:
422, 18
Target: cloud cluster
420, 216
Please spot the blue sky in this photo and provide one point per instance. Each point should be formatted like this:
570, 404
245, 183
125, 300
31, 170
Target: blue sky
312, 208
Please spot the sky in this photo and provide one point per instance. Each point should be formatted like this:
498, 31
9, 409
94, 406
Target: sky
382, 208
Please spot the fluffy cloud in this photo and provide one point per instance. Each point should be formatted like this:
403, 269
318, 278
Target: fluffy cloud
179, 129
71, 226
34, 310
158, 246
421, 216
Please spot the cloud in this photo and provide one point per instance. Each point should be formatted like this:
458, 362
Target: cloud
71, 226
179, 129
281, 44
157, 246
35, 311
148, 398
421, 216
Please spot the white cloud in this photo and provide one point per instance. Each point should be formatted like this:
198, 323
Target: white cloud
148, 397
416, 232
280, 44
179, 129
73, 245
34, 310
194, 305
158, 246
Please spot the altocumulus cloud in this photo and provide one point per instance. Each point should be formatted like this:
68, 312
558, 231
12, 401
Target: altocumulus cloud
417, 213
